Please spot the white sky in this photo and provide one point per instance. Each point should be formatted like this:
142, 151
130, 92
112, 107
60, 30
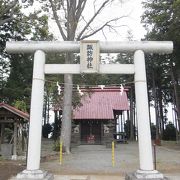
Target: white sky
131, 8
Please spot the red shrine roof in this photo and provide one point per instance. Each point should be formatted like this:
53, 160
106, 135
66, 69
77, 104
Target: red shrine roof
15, 111
101, 103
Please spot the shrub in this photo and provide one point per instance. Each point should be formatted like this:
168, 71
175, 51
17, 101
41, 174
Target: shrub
46, 130
169, 132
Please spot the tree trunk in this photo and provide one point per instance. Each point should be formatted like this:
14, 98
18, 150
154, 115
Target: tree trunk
2, 132
135, 122
156, 107
23, 141
176, 97
48, 109
45, 109
161, 112
56, 129
67, 107
67, 113
131, 116
175, 116
177, 103
15, 139
149, 110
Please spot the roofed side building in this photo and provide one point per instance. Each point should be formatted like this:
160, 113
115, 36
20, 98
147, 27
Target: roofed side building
13, 119
9, 113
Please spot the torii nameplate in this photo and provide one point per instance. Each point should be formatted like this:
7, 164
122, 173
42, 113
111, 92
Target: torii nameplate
89, 56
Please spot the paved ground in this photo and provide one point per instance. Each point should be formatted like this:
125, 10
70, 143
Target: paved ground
96, 160
93, 162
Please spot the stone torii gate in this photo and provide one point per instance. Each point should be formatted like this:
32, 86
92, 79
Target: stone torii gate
39, 48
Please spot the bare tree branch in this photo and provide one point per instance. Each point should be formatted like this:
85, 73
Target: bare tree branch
104, 34
71, 20
107, 24
57, 20
93, 17
86, 22
79, 9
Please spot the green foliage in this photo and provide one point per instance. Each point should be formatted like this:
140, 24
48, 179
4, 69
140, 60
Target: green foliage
21, 105
18, 84
161, 19
8, 13
56, 146
46, 130
19, 23
169, 132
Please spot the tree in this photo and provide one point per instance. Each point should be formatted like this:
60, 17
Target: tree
46, 130
8, 13
159, 89
127, 129
73, 25
161, 18
18, 84
170, 132
16, 70
153, 131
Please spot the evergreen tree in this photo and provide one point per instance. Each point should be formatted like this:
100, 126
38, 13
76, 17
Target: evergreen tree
170, 132
16, 70
161, 19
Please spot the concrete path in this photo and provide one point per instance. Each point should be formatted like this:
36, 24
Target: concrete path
101, 177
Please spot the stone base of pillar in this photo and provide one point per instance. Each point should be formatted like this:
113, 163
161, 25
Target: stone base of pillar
149, 175
33, 175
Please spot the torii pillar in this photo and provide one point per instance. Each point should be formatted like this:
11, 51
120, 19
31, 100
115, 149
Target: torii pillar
146, 170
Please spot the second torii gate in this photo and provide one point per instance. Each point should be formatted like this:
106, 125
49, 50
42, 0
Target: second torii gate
39, 48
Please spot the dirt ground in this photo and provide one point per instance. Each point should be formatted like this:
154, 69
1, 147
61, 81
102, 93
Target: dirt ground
10, 168
92, 159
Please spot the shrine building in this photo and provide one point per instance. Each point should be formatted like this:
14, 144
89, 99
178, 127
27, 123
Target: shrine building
100, 117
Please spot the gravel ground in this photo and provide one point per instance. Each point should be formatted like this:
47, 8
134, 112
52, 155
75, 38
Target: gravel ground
94, 161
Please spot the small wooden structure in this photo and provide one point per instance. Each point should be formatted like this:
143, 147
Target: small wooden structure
14, 119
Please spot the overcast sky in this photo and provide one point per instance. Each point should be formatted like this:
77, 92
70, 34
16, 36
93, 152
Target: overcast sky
134, 21
132, 8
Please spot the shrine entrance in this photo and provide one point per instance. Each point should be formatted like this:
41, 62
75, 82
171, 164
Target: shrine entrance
91, 132
90, 52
